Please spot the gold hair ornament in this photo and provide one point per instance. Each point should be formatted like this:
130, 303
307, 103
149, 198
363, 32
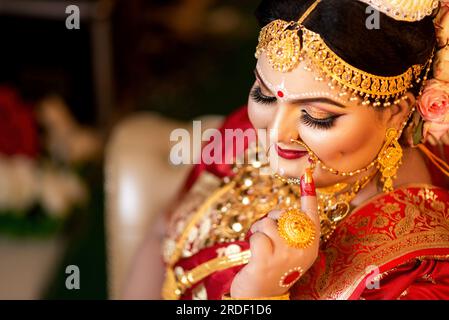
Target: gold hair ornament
286, 44
404, 10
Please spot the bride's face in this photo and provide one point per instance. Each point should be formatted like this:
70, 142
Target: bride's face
344, 134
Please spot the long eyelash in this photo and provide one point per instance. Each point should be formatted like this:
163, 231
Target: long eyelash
258, 96
310, 121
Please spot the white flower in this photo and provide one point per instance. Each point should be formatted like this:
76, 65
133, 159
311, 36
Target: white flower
60, 191
65, 138
18, 183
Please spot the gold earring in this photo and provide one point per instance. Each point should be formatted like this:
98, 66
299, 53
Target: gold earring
389, 159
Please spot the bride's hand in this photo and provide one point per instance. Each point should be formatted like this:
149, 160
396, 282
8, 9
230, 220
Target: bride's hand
271, 257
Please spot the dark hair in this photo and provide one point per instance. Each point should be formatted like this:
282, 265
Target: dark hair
387, 51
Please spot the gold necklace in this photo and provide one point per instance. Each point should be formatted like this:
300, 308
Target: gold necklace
334, 205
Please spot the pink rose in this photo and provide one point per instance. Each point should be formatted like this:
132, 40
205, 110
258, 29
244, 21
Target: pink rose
434, 102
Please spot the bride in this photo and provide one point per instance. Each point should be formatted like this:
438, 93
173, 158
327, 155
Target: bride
354, 207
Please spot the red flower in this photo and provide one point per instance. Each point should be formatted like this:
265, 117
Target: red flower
18, 130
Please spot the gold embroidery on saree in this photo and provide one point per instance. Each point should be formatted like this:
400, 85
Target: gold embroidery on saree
181, 280
227, 214
360, 242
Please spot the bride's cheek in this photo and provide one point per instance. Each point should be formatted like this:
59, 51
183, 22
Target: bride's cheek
344, 139
255, 116
324, 143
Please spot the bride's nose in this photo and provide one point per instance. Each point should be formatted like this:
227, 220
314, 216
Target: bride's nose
284, 125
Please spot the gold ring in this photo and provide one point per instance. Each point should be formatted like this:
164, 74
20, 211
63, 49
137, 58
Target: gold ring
296, 228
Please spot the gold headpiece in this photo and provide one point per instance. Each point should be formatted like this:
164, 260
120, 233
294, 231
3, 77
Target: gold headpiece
286, 44
404, 10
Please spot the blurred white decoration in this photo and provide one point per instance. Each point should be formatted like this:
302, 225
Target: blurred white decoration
60, 191
23, 184
18, 183
65, 138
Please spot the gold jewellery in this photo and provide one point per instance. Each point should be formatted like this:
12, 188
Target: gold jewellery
334, 203
314, 158
389, 159
404, 10
296, 228
287, 43
387, 162
334, 207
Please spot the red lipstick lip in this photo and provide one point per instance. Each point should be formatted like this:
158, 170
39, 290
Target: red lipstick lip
290, 154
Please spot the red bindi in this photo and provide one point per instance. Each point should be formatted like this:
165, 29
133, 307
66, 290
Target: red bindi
280, 94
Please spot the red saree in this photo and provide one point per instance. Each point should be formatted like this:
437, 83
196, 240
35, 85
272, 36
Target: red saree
395, 246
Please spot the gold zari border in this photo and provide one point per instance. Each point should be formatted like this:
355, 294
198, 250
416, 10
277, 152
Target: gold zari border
346, 269
344, 287
174, 288
174, 257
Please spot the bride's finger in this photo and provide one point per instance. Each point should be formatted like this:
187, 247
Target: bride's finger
275, 214
260, 246
308, 198
267, 226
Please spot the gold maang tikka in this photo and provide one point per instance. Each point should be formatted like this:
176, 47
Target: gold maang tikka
287, 43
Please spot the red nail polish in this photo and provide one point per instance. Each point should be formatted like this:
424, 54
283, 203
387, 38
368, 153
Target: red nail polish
307, 184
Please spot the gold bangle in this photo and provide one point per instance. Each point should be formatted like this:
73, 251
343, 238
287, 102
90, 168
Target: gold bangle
282, 297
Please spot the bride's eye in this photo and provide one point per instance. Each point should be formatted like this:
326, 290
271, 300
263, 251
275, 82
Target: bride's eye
318, 123
259, 97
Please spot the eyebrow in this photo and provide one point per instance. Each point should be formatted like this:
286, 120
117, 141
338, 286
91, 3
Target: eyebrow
304, 100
